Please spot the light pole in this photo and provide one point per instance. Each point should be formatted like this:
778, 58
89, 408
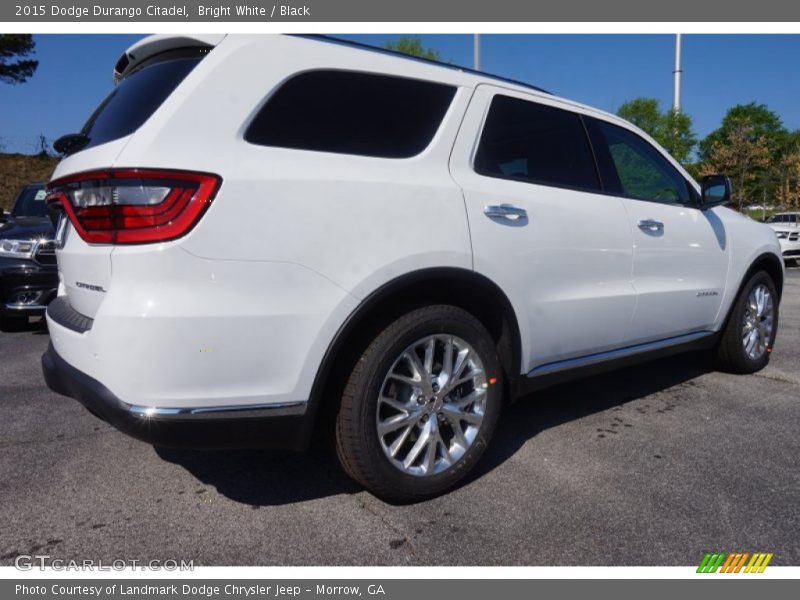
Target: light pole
676, 100
476, 51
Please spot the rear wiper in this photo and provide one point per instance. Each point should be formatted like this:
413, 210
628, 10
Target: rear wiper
70, 143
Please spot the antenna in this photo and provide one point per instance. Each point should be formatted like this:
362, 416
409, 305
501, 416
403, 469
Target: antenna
476, 52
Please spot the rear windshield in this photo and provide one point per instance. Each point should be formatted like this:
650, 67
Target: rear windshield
30, 202
139, 95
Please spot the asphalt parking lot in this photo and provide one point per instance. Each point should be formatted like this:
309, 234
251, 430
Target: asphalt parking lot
653, 465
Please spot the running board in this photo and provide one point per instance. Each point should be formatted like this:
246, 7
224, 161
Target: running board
601, 357
574, 368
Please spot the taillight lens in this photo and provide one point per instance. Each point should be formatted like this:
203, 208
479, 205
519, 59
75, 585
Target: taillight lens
133, 206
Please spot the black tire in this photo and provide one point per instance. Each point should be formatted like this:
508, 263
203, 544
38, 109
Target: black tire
731, 356
11, 323
357, 442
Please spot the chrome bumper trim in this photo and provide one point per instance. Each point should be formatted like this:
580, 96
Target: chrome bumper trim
244, 411
25, 307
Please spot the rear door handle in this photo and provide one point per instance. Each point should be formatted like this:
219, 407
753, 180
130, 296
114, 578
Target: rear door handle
651, 225
505, 211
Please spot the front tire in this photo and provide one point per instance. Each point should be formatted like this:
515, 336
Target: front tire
420, 405
750, 332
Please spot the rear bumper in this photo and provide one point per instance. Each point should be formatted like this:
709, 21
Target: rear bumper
279, 426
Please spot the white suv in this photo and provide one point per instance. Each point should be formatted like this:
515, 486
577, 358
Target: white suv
787, 228
262, 231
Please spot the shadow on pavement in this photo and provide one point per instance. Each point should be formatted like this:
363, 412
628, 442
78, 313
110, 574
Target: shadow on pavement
34, 325
269, 477
560, 404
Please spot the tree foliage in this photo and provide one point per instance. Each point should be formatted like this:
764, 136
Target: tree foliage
754, 148
788, 173
412, 45
760, 122
670, 128
15, 66
744, 155
677, 135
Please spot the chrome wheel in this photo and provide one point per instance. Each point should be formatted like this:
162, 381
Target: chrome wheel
431, 405
759, 316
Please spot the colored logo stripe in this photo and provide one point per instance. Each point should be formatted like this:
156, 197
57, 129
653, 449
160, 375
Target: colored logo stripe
734, 562
758, 563
711, 562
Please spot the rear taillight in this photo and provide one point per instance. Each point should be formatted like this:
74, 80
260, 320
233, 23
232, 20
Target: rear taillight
133, 206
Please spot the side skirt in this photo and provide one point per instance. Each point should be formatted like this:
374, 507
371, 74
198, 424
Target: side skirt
554, 373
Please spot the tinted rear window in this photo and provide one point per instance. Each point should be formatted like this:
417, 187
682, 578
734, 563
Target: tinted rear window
535, 143
139, 95
30, 202
352, 113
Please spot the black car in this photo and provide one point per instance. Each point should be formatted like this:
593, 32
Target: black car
28, 272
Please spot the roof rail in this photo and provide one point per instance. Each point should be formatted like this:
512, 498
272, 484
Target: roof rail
430, 61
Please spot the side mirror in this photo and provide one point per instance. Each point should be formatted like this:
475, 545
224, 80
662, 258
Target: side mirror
716, 190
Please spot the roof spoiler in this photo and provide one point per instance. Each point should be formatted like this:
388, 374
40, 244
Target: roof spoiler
156, 44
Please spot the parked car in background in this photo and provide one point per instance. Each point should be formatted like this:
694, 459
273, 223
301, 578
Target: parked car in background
787, 228
386, 247
28, 273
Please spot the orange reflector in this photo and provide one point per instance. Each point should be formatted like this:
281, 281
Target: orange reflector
492, 380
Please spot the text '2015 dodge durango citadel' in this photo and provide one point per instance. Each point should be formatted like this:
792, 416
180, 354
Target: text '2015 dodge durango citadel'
261, 231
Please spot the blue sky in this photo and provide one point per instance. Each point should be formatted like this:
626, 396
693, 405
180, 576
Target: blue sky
601, 70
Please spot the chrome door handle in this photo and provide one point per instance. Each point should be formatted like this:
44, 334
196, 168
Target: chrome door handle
505, 211
651, 225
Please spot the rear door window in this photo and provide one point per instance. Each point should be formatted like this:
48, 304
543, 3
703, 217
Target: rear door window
351, 112
535, 143
139, 94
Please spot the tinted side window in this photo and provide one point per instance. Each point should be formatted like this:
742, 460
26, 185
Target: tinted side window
352, 113
633, 168
536, 143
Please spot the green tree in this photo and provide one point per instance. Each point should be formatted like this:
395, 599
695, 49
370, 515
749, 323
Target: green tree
671, 129
412, 45
750, 145
677, 135
787, 175
644, 113
745, 157
15, 66
757, 118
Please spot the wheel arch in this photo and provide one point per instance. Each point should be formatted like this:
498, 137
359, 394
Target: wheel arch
770, 263
448, 285
766, 261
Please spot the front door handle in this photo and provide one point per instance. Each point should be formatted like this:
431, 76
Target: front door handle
651, 225
505, 211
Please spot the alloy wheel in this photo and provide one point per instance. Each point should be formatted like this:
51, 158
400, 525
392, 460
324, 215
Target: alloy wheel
758, 322
431, 405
